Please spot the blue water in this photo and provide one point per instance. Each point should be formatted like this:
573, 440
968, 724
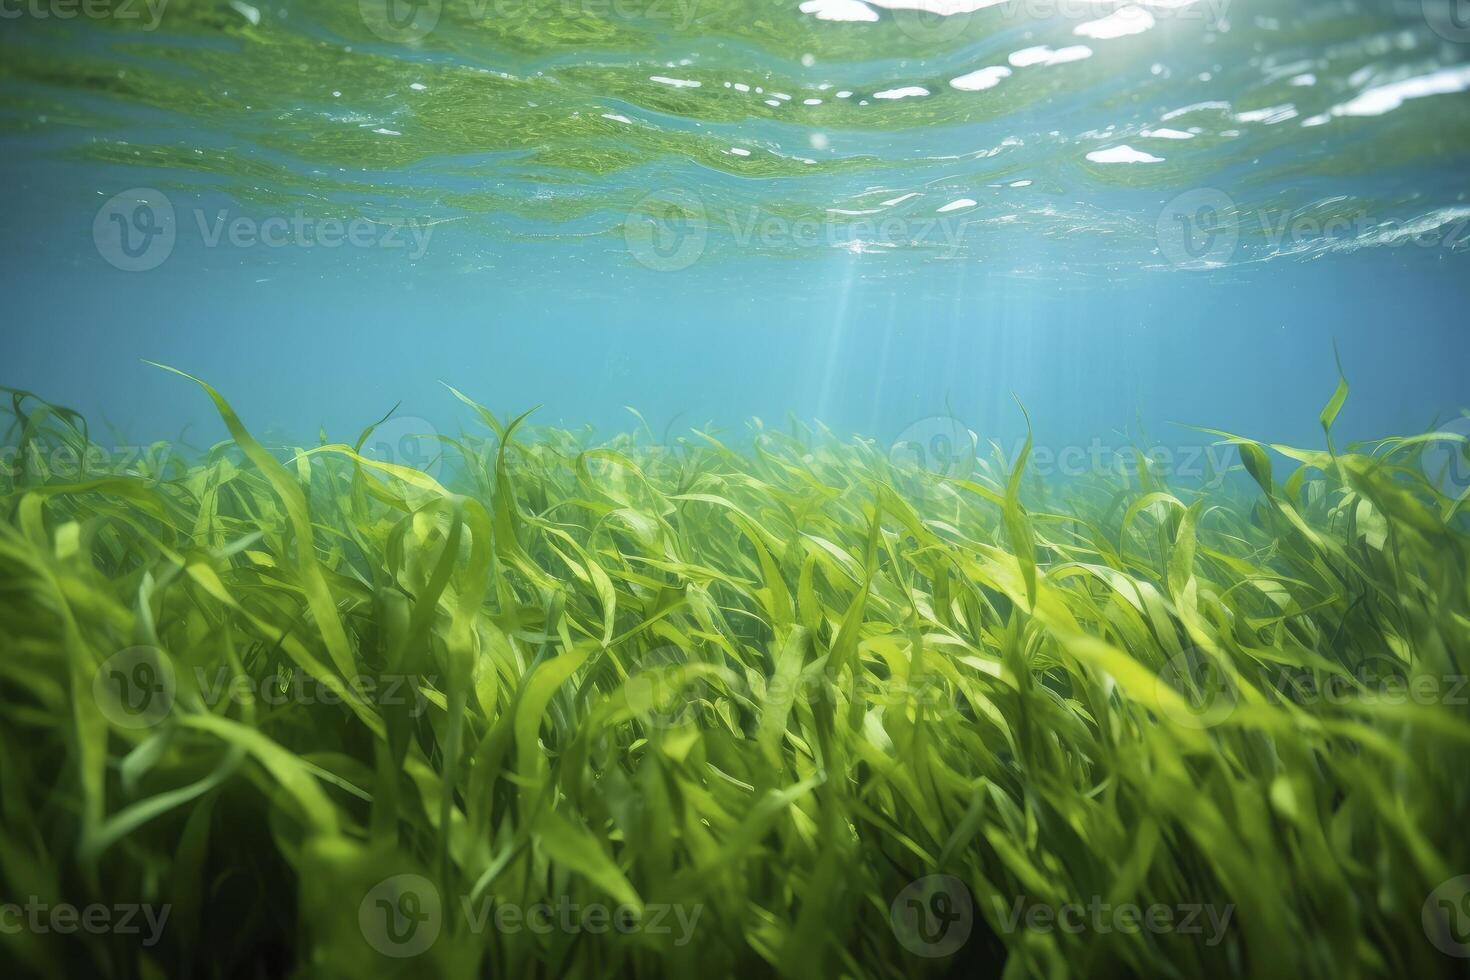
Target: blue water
1080, 319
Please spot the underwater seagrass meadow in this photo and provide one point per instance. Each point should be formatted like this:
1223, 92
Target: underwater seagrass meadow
734, 488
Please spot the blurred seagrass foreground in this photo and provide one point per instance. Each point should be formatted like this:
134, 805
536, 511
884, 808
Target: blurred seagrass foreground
791, 709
